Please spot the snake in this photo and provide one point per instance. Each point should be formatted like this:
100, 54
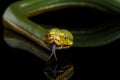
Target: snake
16, 20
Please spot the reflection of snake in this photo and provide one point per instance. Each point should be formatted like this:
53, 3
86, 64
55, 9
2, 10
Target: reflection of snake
64, 69
15, 19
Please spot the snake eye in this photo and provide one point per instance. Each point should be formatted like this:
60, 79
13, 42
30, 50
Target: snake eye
49, 35
64, 36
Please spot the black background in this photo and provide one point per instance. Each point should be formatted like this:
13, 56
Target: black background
89, 63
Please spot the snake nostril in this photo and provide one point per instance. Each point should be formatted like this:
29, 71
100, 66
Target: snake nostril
57, 40
50, 39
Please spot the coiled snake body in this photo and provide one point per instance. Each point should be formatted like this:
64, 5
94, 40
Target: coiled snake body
16, 19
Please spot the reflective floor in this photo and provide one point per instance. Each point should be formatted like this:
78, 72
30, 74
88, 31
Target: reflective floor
89, 63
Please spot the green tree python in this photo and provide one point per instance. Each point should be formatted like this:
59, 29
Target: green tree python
16, 20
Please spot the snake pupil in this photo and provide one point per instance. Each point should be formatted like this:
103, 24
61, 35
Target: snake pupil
65, 36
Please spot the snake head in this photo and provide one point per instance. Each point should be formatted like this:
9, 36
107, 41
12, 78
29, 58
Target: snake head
61, 37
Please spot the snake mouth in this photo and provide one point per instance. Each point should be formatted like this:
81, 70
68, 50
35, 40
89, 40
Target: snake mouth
56, 42
58, 45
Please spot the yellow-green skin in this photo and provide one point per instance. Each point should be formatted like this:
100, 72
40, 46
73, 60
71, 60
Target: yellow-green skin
61, 37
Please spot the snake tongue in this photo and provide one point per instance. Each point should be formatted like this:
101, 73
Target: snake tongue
53, 51
56, 43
